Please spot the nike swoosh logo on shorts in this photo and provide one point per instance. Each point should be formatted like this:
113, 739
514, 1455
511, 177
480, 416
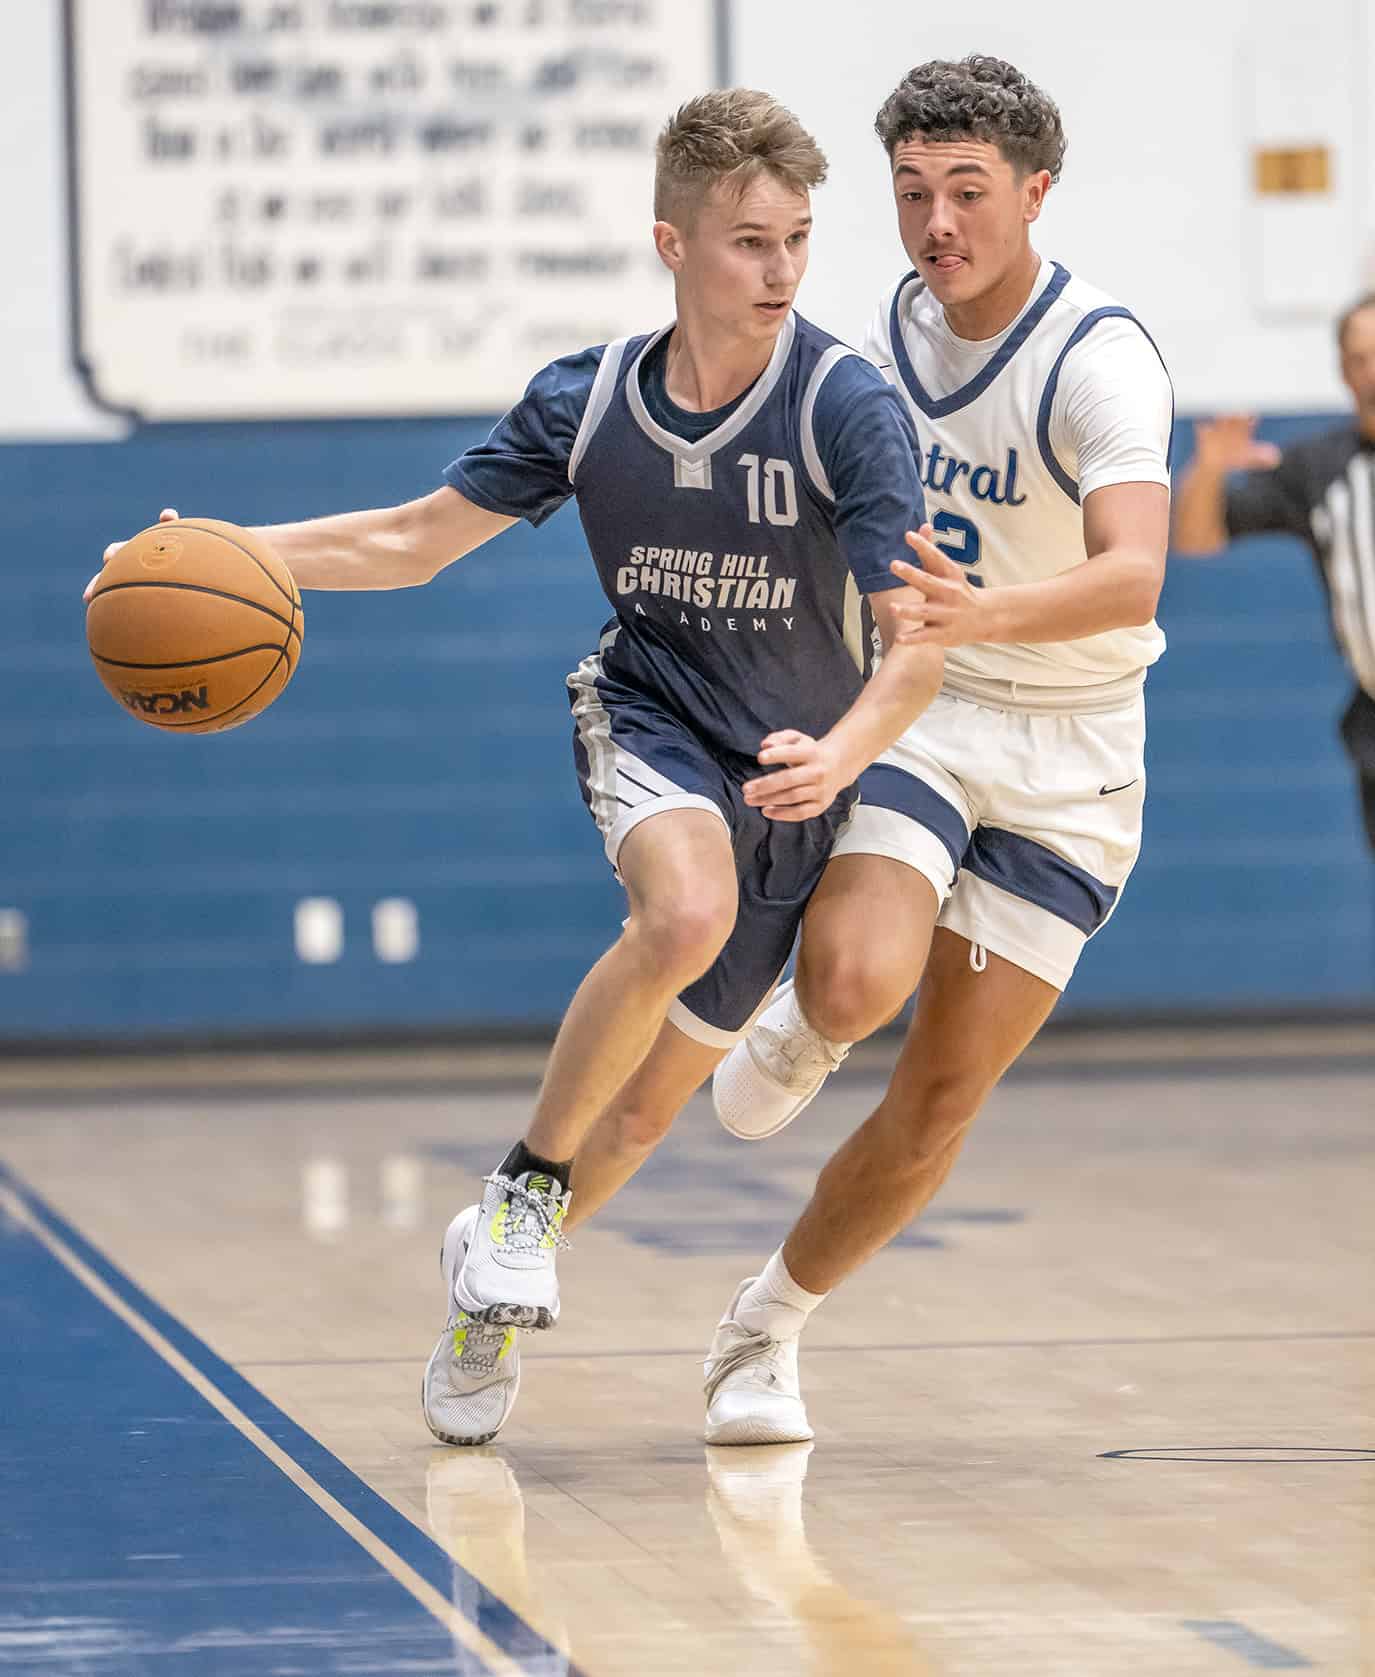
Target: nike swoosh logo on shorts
1107, 791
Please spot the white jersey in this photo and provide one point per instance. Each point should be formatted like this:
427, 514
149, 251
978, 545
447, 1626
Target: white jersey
1015, 431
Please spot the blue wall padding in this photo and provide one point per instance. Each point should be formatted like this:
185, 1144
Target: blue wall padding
423, 752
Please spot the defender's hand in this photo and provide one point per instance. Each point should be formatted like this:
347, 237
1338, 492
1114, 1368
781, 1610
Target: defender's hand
806, 787
942, 607
168, 515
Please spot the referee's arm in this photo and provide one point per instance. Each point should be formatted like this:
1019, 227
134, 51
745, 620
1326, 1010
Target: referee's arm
1221, 446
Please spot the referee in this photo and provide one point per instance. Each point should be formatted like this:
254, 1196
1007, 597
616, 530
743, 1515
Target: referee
1322, 490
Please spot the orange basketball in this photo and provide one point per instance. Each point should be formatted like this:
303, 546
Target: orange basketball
195, 626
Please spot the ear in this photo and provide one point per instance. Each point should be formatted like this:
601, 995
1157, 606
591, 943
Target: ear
669, 242
1034, 189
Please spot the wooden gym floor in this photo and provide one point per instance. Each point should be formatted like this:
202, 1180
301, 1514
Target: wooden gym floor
1106, 1410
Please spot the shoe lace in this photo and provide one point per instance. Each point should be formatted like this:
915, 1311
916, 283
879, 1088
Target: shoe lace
532, 1217
482, 1345
797, 1057
751, 1356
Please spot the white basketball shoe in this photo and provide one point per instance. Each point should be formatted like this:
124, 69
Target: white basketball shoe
766, 1080
508, 1278
753, 1394
473, 1374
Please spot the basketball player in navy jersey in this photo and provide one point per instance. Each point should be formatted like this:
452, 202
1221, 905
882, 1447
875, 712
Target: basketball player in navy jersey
744, 482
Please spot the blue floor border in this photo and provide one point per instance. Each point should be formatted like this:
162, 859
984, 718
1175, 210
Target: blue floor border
505, 1628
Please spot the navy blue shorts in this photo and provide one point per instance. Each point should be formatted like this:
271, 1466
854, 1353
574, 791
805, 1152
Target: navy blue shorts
634, 760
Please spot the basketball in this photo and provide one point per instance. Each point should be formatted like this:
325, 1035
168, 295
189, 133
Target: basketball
195, 626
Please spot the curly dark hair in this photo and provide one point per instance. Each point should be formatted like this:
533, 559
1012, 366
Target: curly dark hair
976, 98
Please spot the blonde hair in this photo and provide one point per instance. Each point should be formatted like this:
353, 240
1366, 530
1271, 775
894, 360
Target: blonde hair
730, 136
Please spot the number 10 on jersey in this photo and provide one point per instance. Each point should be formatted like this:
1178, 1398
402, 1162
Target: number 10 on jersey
780, 490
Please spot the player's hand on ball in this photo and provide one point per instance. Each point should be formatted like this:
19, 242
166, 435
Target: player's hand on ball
942, 607
1228, 444
194, 625
806, 786
168, 515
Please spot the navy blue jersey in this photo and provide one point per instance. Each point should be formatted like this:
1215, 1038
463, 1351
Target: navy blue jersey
737, 562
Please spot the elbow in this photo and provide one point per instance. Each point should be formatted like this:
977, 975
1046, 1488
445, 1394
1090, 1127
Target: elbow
1135, 590
417, 574
415, 557
1141, 602
407, 570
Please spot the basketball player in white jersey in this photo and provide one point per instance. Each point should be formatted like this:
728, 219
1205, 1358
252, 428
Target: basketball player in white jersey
997, 835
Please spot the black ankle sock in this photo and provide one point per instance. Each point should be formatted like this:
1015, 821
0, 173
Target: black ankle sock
520, 1159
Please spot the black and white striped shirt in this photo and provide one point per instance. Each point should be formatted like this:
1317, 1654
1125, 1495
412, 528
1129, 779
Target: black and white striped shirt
1323, 492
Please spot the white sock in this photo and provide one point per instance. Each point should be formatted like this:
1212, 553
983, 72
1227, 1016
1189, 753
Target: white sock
774, 1303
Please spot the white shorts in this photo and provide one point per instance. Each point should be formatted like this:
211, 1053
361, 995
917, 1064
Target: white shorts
1027, 823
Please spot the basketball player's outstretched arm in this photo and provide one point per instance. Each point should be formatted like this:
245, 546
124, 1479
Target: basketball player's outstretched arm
388, 547
523, 464
391, 547
1126, 532
818, 770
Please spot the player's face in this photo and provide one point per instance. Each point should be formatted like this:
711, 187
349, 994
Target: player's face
963, 212
1358, 366
740, 260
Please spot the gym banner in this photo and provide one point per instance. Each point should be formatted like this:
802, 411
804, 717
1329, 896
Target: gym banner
340, 208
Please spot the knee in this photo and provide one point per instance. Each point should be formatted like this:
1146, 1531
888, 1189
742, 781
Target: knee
847, 996
681, 940
928, 1118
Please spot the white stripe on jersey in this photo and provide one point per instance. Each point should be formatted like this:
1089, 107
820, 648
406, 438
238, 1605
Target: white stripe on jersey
603, 389
693, 453
853, 610
811, 455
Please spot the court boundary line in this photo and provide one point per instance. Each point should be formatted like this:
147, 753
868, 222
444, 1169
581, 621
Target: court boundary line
161, 1331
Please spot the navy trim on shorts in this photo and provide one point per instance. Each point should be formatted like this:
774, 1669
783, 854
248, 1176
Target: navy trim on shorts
892, 788
1025, 869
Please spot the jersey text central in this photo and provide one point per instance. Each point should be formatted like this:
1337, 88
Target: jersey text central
941, 471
